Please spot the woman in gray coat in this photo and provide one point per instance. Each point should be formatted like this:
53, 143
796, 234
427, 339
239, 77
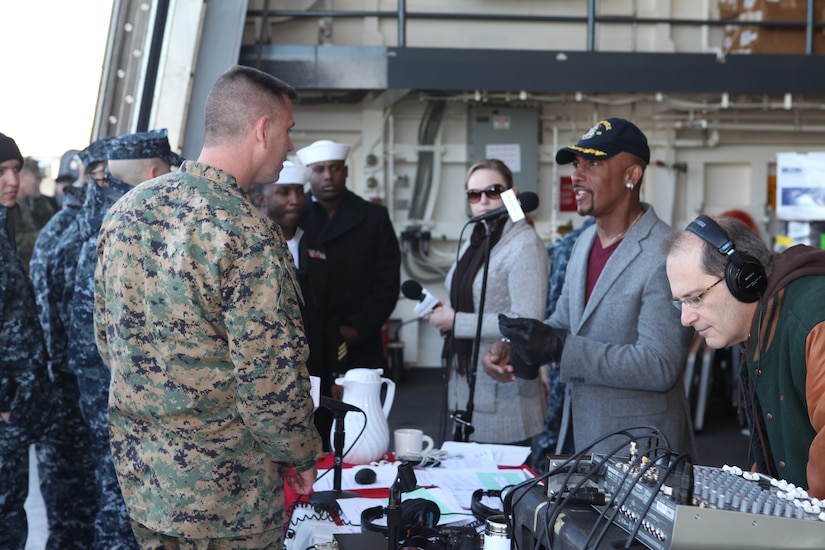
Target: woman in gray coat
516, 286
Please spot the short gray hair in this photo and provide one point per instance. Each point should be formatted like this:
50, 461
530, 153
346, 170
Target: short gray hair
746, 243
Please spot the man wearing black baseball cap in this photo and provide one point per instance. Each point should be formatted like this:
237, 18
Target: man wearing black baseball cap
606, 139
617, 342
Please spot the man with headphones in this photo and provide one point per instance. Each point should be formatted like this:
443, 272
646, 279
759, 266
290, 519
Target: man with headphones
732, 290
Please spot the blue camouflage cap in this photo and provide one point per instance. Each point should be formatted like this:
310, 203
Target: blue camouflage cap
143, 145
94, 153
607, 138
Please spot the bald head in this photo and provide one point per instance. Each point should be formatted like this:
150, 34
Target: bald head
136, 171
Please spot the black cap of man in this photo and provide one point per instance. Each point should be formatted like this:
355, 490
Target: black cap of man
605, 139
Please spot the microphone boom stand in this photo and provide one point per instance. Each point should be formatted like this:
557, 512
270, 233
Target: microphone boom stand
328, 498
395, 517
464, 419
405, 481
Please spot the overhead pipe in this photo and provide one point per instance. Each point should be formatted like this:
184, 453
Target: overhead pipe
402, 23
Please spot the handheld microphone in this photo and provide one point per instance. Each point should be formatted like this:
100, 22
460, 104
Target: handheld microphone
338, 406
528, 201
426, 301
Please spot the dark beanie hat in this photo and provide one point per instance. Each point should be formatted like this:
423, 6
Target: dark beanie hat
9, 150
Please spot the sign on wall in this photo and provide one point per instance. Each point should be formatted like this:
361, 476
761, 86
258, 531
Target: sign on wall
567, 199
800, 186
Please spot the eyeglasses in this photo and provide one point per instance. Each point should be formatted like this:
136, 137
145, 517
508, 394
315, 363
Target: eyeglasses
695, 300
493, 192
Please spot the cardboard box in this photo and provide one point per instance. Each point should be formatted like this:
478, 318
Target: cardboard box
770, 40
728, 9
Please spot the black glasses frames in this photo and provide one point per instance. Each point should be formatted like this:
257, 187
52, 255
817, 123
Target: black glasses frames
493, 192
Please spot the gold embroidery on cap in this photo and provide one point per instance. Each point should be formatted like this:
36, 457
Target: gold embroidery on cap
588, 151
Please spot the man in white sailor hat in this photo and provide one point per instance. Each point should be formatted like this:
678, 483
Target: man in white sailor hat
283, 201
360, 248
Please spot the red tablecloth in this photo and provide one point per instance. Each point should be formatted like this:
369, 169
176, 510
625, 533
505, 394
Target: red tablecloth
290, 496
325, 463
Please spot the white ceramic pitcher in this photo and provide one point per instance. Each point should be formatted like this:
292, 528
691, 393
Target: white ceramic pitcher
362, 388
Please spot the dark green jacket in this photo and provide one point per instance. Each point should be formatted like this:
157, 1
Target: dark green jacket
786, 370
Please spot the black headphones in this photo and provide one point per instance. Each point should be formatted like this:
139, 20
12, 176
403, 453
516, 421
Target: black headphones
417, 515
744, 275
480, 510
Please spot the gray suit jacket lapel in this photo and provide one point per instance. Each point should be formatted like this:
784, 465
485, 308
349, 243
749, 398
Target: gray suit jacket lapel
627, 251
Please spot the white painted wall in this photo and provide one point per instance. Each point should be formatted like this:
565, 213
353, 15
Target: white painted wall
727, 144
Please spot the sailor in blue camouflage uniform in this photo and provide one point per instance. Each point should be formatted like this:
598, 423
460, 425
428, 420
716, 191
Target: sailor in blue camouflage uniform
64, 455
61, 265
547, 442
132, 158
197, 313
24, 380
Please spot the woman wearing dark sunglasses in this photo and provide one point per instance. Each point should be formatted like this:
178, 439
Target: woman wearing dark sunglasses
516, 284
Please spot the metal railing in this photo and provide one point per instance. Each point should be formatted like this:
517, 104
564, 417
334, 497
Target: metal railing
591, 20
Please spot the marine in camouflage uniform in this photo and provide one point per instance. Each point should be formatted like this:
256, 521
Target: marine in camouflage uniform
113, 529
548, 439
197, 312
24, 382
63, 453
35, 211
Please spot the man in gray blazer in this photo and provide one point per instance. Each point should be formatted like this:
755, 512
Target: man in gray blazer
618, 341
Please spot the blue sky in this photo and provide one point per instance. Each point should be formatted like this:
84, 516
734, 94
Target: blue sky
51, 64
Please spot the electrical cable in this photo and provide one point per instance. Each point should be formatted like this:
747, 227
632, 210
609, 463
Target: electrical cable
400, 326
753, 409
413, 263
354, 441
559, 504
447, 363
570, 467
618, 500
663, 476
427, 130
510, 500
595, 468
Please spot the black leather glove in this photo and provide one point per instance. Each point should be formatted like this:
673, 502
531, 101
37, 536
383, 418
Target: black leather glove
532, 341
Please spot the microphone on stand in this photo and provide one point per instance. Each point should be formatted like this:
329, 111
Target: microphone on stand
338, 406
515, 207
328, 498
525, 202
426, 301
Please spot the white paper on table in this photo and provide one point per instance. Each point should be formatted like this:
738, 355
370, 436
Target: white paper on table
315, 391
351, 509
482, 456
462, 483
467, 456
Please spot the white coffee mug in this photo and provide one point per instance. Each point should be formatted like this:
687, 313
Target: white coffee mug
411, 441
